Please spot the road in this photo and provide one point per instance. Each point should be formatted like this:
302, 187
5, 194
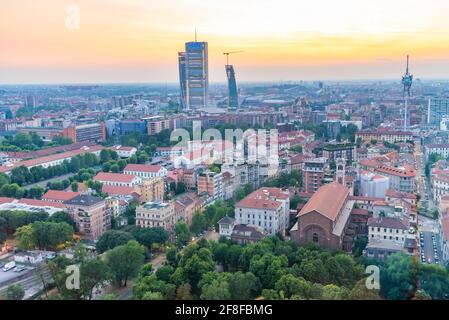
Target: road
31, 282
44, 183
430, 248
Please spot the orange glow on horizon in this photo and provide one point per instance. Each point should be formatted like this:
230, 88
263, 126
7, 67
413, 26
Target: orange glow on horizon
125, 35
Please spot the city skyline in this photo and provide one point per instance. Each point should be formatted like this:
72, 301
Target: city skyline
137, 42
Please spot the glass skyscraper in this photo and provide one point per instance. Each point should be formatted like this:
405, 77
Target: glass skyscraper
194, 75
233, 98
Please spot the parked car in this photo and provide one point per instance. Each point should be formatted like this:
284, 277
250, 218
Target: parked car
19, 269
9, 266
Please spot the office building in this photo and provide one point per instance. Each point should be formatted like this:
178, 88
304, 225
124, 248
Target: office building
194, 75
94, 132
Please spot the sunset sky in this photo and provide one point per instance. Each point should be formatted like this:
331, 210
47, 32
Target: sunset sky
138, 40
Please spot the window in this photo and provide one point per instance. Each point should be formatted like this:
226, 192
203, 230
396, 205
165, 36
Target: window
315, 237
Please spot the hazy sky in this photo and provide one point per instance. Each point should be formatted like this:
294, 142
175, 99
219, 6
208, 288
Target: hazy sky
138, 40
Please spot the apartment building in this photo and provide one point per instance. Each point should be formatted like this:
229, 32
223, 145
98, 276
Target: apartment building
156, 214
151, 190
90, 215
313, 174
267, 208
400, 178
211, 183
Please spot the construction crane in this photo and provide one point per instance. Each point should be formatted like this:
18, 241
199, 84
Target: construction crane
227, 55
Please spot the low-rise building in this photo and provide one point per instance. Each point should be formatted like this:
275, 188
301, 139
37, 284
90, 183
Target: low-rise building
118, 179
125, 152
387, 235
145, 171
267, 208
156, 214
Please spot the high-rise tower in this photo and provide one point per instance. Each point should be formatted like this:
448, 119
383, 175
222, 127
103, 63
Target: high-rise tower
233, 98
194, 74
407, 81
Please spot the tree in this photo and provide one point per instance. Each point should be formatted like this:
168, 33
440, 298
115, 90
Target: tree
243, 286
434, 281
50, 234
268, 268
195, 263
182, 233
290, 285
361, 292
333, 292
105, 156
172, 256
199, 223
124, 261
149, 236
94, 273
111, 239
35, 192
74, 186
15, 292
184, 292
152, 284
400, 278
62, 216
164, 273
24, 235
217, 290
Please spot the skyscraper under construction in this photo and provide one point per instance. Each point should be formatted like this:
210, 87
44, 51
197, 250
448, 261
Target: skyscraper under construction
233, 98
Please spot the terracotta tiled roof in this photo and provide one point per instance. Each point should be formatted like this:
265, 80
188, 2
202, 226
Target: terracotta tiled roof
6, 200
118, 177
263, 198
123, 191
59, 195
400, 172
142, 168
51, 158
328, 200
386, 222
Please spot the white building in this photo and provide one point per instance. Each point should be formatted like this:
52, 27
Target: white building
386, 236
267, 208
124, 152
145, 171
441, 149
373, 185
401, 178
118, 179
225, 226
